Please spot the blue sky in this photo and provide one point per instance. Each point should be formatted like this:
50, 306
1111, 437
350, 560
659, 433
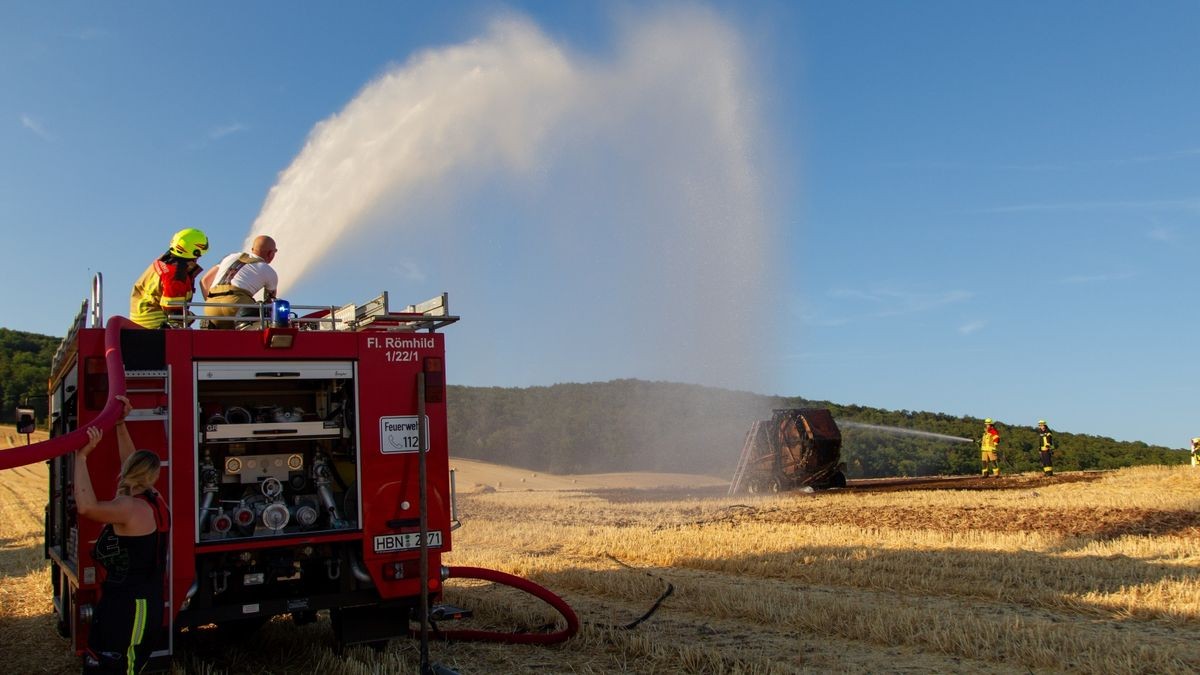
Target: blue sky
983, 209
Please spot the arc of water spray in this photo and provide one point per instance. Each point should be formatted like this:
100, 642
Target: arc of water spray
905, 431
500, 103
675, 101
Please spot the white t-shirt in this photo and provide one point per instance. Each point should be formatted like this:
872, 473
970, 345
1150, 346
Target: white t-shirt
252, 277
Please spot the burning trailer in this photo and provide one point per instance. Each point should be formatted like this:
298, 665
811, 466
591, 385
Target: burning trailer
797, 447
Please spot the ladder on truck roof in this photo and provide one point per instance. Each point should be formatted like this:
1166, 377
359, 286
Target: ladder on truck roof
739, 474
429, 315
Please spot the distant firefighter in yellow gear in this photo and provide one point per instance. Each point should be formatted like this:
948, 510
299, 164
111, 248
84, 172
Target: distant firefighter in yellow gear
1196, 451
1046, 445
990, 447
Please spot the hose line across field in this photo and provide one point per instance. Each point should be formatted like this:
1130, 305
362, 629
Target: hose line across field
520, 584
546, 596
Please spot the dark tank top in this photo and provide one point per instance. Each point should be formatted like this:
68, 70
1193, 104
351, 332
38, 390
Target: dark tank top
134, 560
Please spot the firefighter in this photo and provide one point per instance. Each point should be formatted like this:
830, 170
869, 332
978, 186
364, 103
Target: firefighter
1046, 446
237, 278
170, 279
1196, 451
989, 446
132, 549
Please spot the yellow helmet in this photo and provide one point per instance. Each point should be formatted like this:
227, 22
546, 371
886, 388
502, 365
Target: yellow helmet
988, 421
1195, 440
189, 243
1041, 423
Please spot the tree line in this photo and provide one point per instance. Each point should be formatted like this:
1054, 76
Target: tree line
24, 372
635, 425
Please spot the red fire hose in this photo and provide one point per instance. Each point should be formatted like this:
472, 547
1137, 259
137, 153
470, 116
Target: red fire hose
512, 638
61, 445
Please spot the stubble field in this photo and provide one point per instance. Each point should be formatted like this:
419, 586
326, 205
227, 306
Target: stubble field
1085, 572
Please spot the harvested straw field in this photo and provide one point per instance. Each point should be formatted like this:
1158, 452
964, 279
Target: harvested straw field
1095, 573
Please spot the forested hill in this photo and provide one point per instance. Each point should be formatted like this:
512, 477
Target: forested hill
24, 371
634, 425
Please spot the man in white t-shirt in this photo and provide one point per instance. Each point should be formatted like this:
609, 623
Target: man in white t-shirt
238, 278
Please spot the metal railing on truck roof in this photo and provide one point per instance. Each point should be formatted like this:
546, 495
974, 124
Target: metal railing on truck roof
373, 314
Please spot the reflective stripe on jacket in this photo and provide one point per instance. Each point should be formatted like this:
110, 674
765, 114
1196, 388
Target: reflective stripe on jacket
1047, 441
166, 280
991, 440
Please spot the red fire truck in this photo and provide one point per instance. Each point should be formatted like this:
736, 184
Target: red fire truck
292, 463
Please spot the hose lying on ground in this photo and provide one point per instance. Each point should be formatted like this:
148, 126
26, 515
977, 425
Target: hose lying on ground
653, 608
518, 583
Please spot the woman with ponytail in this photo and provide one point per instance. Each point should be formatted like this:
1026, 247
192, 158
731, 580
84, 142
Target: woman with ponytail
132, 549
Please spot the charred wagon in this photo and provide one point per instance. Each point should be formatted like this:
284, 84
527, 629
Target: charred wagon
797, 447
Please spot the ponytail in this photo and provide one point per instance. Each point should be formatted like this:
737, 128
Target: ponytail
139, 473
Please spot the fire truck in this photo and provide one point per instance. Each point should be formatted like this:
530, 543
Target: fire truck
304, 460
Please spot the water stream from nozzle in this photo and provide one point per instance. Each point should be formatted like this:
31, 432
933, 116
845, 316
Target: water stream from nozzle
905, 431
634, 179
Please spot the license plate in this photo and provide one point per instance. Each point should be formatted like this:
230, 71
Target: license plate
387, 543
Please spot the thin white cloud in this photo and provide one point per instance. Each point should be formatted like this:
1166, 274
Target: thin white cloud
860, 355
854, 294
223, 131
1189, 204
1176, 155
1161, 234
409, 271
88, 33
823, 321
971, 327
885, 303
1102, 163
36, 127
1162, 157
895, 302
1097, 278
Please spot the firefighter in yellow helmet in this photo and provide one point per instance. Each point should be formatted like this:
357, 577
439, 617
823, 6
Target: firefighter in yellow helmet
989, 446
1046, 446
170, 279
1196, 451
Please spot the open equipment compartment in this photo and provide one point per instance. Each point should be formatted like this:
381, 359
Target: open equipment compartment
278, 452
